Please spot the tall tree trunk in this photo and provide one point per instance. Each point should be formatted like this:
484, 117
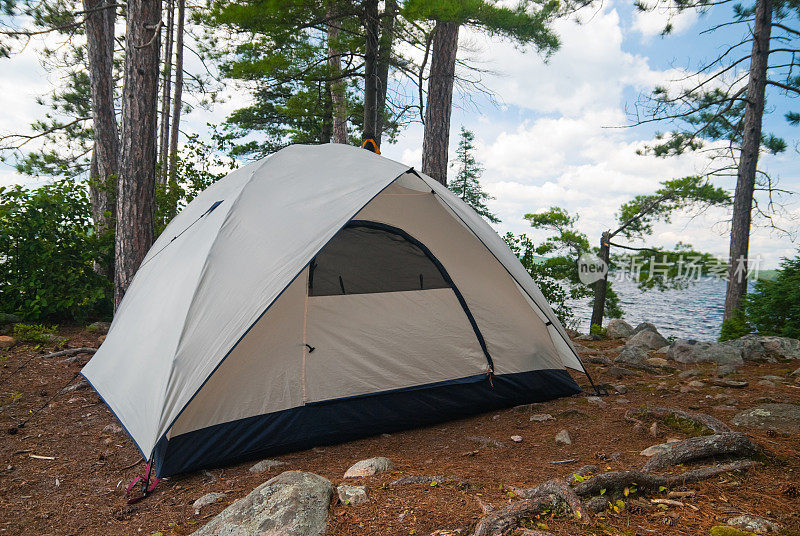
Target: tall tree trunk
337, 87
137, 169
166, 94
748, 160
371, 23
177, 99
600, 287
384, 59
440, 101
100, 17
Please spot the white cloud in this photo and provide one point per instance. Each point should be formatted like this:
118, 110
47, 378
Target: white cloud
652, 22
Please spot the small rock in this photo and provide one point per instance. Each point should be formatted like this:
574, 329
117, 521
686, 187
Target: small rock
6, 341
265, 465
622, 401
654, 449
112, 429
781, 417
662, 351
773, 378
721, 382
691, 373
487, 442
205, 500
100, 328
696, 384
596, 401
620, 388
620, 372
754, 524
541, 417
563, 438
654, 430
724, 407
516, 438
352, 495
369, 467
659, 362
618, 329
766, 383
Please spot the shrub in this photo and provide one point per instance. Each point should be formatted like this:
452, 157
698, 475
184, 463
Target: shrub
48, 248
34, 333
597, 329
773, 308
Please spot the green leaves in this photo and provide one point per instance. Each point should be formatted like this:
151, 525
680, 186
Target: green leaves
466, 183
48, 247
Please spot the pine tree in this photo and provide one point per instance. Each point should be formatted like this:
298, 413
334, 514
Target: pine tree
466, 183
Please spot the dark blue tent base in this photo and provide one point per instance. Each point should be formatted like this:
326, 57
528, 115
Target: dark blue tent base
341, 420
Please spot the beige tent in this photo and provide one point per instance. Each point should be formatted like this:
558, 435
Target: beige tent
320, 294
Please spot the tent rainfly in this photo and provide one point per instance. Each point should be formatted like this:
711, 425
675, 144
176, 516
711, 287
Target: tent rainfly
322, 294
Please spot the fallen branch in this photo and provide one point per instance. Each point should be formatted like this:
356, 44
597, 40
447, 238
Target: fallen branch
616, 481
551, 495
700, 448
70, 351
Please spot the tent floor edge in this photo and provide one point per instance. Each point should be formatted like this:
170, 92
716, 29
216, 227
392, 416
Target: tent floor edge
347, 419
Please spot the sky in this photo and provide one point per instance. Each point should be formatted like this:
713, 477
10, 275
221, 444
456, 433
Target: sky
554, 133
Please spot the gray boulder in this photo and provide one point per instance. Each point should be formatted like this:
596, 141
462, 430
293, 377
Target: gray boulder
618, 329
689, 351
644, 326
649, 339
632, 355
294, 503
766, 348
779, 417
369, 467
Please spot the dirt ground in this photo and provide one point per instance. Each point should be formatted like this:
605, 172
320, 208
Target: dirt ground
65, 472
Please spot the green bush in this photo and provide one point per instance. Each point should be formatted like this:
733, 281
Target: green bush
597, 329
773, 308
735, 327
48, 248
34, 333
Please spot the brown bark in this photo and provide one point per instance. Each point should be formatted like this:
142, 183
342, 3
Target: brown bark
105, 156
371, 24
616, 481
166, 94
748, 160
337, 87
598, 310
700, 448
177, 98
384, 59
136, 184
551, 495
440, 101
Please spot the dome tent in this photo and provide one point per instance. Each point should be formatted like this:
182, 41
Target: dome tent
321, 294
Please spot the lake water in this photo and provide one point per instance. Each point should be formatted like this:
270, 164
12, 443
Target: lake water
693, 313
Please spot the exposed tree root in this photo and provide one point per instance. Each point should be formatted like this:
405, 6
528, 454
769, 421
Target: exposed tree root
699, 448
700, 420
617, 481
551, 495
70, 351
